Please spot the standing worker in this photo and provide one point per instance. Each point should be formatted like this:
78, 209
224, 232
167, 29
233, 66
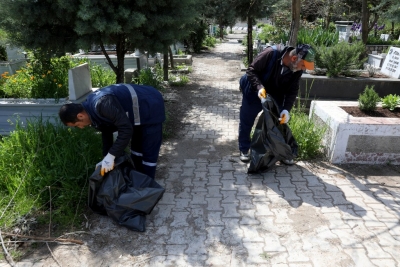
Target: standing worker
135, 111
275, 71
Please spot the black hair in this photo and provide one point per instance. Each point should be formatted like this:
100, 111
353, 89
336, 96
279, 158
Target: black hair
68, 112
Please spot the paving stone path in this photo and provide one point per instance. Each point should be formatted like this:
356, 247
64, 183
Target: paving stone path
214, 214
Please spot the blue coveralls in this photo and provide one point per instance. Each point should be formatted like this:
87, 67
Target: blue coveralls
144, 106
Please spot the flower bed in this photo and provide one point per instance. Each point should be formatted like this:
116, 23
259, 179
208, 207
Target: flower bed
363, 140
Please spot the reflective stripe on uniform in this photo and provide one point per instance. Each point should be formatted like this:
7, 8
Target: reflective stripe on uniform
135, 104
136, 153
151, 164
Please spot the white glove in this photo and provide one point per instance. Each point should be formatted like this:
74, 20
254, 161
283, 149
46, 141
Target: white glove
262, 94
285, 117
107, 164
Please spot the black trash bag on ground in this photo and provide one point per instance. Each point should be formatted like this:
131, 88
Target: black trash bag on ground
124, 194
271, 141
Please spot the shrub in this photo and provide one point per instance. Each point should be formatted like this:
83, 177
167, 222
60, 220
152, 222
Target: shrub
179, 80
306, 131
45, 167
317, 37
210, 41
48, 78
151, 77
268, 33
101, 76
390, 101
341, 58
197, 35
369, 99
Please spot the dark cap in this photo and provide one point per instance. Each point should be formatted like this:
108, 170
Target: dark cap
307, 53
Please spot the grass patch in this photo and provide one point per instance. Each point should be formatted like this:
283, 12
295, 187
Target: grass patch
45, 168
306, 131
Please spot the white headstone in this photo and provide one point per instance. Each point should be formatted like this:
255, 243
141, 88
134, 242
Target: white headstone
385, 37
391, 65
79, 81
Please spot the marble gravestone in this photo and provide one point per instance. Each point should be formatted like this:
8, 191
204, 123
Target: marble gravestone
79, 81
391, 65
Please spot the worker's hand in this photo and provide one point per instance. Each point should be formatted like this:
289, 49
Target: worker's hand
285, 117
107, 164
262, 94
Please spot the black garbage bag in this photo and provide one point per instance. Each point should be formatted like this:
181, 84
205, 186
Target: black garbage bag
271, 141
124, 194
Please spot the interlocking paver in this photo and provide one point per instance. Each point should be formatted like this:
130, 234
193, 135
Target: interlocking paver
215, 214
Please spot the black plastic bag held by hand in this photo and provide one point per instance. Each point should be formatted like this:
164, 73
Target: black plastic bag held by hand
124, 194
271, 140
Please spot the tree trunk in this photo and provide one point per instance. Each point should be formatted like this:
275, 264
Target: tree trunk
249, 40
365, 18
328, 15
221, 31
121, 61
165, 65
171, 57
295, 25
392, 30
121, 50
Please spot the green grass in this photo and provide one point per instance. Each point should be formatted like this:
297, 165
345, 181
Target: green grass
307, 133
45, 167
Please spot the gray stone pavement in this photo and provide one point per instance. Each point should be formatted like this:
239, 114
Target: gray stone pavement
214, 214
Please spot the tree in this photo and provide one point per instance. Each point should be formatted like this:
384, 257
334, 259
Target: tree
147, 25
222, 13
250, 11
295, 24
60, 25
38, 25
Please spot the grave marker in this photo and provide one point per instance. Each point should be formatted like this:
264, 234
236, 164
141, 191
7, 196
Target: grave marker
391, 65
79, 81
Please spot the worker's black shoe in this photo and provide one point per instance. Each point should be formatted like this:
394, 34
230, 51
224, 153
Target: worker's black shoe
287, 161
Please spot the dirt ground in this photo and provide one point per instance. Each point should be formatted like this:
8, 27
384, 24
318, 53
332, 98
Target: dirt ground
378, 112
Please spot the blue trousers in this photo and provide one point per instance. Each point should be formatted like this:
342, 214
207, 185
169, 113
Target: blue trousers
251, 106
145, 147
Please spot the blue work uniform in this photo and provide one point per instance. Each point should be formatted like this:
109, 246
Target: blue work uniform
137, 113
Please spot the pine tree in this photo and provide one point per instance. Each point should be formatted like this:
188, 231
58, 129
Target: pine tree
65, 25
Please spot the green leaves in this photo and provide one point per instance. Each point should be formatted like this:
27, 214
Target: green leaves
369, 99
42, 155
341, 58
390, 101
317, 37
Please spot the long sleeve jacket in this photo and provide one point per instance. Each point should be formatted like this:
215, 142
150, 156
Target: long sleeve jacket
282, 83
118, 108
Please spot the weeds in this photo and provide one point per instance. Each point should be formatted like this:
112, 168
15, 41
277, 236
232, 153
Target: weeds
307, 132
390, 101
179, 80
151, 77
101, 76
46, 159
